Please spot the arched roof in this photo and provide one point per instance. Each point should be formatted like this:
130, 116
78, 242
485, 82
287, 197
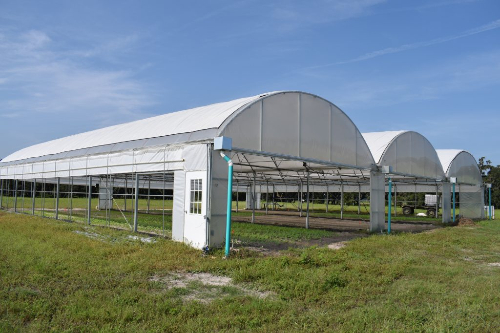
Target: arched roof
298, 124
288, 123
186, 121
460, 164
409, 153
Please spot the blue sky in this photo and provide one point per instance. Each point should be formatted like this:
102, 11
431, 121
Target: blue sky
429, 66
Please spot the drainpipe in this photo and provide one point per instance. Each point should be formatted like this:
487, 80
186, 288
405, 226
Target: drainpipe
390, 204
229, 200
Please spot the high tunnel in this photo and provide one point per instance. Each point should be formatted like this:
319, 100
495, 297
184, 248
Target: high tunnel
291, 141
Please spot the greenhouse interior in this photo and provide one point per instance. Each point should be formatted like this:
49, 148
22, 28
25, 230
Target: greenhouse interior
295, 158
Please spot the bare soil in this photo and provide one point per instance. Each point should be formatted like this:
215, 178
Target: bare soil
205, 287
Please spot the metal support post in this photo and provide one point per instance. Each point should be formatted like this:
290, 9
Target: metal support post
89, 201
125, 194
33, 195
1, 193
15, 195
307, 207
237, 195
58, 184
24, 193
437, 202
300, 198
327, 198
149, 191
267, 196
395, 200
253, 199
359, 199
453, 185
390, 206
341, 200
274, 201
136, 201
489, 202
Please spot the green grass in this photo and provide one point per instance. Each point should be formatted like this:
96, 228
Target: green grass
55, 279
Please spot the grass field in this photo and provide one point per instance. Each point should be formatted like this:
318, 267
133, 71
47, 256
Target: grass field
58, 276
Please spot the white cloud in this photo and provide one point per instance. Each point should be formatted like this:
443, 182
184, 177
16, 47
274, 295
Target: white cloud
43, 79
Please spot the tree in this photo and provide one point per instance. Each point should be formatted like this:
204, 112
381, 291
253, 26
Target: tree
491, 175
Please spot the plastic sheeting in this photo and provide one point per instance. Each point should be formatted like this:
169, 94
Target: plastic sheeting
409, 153
154, 159
460, 164
300, 125
472, 202
185, 121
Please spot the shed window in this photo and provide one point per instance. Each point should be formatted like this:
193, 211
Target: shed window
196, 195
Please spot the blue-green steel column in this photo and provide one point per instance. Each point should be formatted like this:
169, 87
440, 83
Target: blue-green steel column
390, 202
229, 201
489, 208
453, 202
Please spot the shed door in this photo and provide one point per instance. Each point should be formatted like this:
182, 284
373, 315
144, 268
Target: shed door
195, 226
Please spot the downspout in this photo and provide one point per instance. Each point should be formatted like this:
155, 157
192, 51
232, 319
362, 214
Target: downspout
229, 200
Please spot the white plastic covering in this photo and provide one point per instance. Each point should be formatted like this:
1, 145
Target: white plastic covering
186, 121
301, 125
460, 164
287, 123
409, 153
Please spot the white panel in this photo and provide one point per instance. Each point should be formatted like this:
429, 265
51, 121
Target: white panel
280, 124
377, 202
343, 141
78, 166
178, 209
121, 162
245, 128
97, 165
195, 157
315, 127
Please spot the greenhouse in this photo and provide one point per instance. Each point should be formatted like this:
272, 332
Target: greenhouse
291, 142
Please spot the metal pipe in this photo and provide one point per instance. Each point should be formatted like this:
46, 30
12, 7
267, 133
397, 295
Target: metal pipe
237, 195
307, 207
229, 201
395, 200
253, 199
341, 200
89, 201
453, 202
33, 194
389, 213
359, 199
125, 194
1, 193
274, 200
149, 191
71, 201
300, 199
136, 202
327, 198
489, 207
267, 196
24, 193
58, 183
15, 195
437, 202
